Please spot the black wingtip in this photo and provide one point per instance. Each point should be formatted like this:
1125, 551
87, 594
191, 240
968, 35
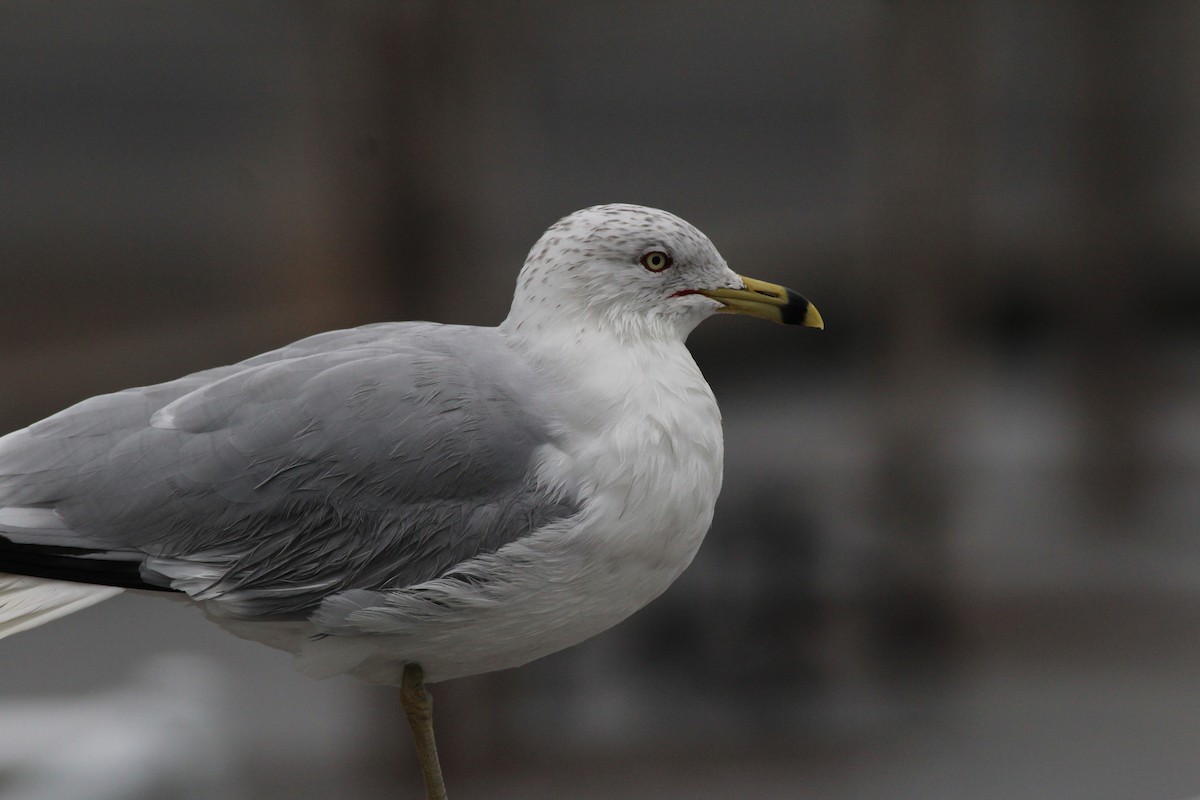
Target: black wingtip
75, 564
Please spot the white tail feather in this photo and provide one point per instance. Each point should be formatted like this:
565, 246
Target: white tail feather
28, 602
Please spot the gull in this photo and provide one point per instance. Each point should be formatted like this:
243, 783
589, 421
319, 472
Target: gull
408, 502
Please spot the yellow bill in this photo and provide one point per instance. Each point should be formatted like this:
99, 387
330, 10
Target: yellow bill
767, 301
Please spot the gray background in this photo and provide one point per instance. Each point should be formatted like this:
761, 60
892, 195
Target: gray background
956, 554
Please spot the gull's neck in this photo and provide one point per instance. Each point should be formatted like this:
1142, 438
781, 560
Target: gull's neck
627, 352
604, 376
534, 324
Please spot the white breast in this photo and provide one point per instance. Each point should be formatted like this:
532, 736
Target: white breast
652, 468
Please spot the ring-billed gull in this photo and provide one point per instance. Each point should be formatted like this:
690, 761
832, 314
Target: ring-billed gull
408, 501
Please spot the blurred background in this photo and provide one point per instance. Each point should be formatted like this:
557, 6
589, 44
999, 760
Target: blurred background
955, 555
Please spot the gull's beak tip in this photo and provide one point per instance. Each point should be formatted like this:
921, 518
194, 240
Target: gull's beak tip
812, 318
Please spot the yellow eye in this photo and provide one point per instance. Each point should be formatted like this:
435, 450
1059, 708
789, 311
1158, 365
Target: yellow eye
657, 260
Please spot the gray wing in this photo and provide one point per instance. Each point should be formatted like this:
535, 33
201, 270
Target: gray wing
376, 458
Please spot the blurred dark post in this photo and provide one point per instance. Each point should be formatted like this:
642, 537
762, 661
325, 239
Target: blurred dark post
417, 118
387, 136
1111, 249
423, 129
922, 254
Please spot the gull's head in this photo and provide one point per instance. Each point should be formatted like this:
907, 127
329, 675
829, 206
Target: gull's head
638, 271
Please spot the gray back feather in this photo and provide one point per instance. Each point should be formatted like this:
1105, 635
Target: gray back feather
375, 458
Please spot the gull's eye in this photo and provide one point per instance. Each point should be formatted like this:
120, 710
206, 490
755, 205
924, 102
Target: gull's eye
657, 260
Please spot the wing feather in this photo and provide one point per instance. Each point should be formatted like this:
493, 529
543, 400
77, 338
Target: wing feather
375, 459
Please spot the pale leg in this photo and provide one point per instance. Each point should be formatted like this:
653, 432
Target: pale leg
418, 707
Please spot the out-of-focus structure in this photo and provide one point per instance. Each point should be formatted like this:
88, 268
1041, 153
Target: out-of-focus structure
956, 554
160, 735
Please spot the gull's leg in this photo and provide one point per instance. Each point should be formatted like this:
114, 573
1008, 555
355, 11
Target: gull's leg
418, 707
